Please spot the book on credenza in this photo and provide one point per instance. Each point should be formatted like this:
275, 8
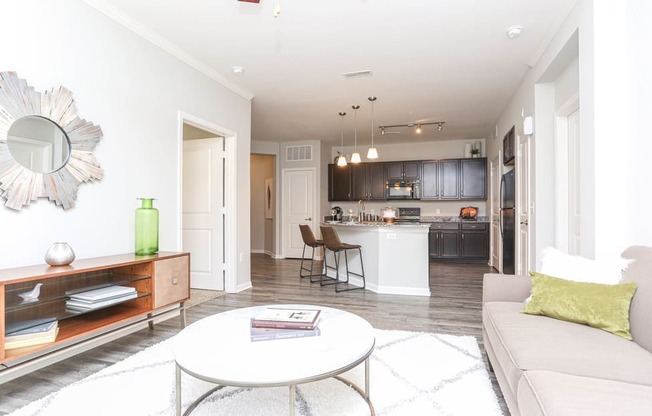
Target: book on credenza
30, 341
108, 292
33, 331
287, 318
85, 305
266, 334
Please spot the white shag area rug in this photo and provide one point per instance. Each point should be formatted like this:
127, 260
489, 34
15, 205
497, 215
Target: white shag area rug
412, 373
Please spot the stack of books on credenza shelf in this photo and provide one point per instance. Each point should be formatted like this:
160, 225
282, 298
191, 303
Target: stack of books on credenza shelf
32, 335
99, 298
278, 323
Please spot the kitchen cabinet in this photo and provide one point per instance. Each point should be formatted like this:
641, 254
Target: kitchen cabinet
339, 183
449, 182
440, 180
444, 240
473, 178
429, 179
475, 241
403, 170
367, 182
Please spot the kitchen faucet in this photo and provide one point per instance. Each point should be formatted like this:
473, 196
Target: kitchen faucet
361, 209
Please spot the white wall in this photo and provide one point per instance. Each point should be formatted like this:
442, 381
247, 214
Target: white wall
614, 94
134, 91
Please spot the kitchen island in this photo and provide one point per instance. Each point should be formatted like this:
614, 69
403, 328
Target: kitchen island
395, 256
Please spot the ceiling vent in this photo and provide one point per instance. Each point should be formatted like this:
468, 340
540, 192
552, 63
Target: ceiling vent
354, 74
297, 153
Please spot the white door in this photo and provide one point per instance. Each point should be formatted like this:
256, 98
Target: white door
203, 211
574, 237
298, 208
523, 205
496, 240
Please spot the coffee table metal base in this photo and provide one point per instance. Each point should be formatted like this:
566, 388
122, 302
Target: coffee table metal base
293, 392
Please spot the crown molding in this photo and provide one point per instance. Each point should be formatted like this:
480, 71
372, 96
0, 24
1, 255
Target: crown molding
148, 34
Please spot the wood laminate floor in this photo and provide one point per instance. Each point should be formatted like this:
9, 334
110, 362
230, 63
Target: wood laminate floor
453, 308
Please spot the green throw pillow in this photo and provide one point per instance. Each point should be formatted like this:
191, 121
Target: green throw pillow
598, 305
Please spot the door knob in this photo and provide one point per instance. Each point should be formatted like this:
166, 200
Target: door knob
308, 219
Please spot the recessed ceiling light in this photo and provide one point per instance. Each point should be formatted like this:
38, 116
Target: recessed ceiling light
514, 31
237, 70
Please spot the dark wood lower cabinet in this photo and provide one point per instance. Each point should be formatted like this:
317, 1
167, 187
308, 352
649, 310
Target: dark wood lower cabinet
459, 241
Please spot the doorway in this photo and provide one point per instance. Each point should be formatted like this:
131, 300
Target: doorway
263, 204
205, 206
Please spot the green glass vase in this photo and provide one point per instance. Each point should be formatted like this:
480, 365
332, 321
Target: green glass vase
146, 228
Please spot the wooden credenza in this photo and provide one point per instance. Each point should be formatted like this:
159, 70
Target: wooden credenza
162, 283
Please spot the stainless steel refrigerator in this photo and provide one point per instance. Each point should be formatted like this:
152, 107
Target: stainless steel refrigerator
508, 221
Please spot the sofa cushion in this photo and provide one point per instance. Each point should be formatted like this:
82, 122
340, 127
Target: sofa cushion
555, 394
530, 342
601, 306
640, 313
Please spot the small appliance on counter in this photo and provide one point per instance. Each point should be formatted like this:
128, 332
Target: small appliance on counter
336, 213
408, 215
469, 213
388, 214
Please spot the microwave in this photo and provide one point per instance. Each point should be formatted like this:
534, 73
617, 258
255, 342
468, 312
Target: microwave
403, 189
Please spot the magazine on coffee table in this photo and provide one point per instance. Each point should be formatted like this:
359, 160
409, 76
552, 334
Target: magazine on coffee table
286, 318
266, 334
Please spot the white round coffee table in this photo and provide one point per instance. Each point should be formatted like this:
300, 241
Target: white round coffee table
218, 349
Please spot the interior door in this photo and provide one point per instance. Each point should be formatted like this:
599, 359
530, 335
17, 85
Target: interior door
203, 211
496, 244
523, 205
298, 208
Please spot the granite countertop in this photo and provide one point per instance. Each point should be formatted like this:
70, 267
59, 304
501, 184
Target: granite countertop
452, 219
377, 224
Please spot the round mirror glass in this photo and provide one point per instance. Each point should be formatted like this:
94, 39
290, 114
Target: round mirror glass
39, 144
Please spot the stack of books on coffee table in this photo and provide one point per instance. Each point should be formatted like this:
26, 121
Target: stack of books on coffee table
31, 334
279, 323
100, 298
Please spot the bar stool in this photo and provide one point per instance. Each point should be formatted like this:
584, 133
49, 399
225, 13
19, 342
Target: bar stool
309, 240
332, 242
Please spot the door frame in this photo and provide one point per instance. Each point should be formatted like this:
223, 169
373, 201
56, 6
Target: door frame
562, 165
230, 211
497, 249
315, 204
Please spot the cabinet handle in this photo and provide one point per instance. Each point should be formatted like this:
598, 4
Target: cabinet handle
175, 281
462, 236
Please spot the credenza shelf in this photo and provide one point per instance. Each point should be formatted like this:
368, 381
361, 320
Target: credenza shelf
162, 283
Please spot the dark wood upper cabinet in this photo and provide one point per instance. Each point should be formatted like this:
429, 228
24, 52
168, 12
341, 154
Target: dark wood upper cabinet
429, 179
449, 179
339, 186
358, 181
403, 170
376, 181
473, 178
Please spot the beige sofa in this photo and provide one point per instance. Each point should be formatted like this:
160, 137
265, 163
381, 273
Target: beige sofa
550, 367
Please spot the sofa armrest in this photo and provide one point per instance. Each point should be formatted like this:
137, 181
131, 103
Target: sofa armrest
505, 288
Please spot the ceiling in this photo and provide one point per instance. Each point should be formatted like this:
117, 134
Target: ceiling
431, 60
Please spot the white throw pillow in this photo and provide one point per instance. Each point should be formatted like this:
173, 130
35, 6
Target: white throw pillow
608, 270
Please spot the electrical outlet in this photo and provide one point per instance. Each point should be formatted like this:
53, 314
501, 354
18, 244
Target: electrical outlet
437, 211
391, 236
241, 257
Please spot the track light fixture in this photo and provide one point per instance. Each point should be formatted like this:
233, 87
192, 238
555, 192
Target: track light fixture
418, 129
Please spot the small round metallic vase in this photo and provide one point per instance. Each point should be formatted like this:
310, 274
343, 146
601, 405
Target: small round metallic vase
59, 254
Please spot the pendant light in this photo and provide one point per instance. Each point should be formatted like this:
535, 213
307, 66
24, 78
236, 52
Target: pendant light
341, 161
372, 153
355, 157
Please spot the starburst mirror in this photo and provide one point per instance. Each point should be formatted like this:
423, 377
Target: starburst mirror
46, 150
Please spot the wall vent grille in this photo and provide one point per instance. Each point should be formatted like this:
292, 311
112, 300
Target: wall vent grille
297, 153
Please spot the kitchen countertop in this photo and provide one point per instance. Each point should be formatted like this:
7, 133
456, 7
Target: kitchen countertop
378, 224
427, 219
